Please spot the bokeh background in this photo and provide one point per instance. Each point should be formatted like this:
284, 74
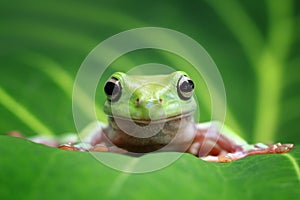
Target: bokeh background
255, 45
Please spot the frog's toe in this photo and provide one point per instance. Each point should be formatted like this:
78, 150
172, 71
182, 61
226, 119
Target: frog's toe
16, 134
281, 148
103, 148
99, 148
221, 158
70, 147
210, 158
225, 158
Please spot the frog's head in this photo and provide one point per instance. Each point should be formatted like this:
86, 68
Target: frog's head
149, 98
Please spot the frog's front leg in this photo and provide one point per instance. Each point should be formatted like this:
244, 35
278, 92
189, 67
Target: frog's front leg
92, 138
213, 145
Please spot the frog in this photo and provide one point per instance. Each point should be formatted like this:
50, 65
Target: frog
155, 113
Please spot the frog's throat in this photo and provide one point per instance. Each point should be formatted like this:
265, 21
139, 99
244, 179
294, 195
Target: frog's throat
155, 121
177, 130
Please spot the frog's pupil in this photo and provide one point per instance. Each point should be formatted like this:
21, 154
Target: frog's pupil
187, 86
111, 88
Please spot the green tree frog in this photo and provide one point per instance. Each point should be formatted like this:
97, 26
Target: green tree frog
156, 113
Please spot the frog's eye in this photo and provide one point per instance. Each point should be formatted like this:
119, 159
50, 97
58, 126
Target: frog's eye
185, 88
113, 89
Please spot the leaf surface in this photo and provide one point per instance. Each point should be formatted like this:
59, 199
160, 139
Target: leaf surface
40, 172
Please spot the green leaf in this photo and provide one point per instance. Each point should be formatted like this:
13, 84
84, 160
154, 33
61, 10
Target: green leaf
33, 171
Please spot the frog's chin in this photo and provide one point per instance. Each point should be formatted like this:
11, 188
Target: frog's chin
154, 121
142, 136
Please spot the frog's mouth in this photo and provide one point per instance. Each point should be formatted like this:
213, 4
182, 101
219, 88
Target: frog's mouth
154, 121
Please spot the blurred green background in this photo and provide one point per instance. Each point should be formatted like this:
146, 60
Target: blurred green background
255, 45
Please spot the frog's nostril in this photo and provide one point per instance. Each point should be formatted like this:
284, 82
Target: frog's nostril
137, 101
160, 100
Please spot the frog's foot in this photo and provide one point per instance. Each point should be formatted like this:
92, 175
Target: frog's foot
212, 145
72, 147
41, 139
90, 148
250, 150
277, 148
81, 146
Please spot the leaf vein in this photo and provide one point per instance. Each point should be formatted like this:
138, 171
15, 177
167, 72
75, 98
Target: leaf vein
294, 163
